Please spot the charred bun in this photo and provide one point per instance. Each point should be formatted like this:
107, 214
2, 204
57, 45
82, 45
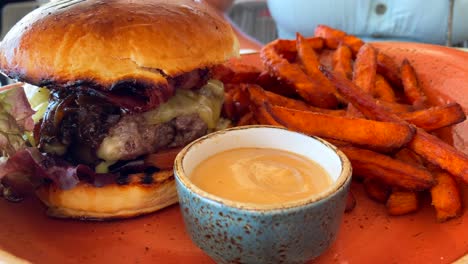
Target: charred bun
113, 201
109, 41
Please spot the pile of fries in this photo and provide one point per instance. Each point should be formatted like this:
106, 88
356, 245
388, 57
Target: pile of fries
335, 86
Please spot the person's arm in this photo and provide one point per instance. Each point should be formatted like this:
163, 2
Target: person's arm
245, 41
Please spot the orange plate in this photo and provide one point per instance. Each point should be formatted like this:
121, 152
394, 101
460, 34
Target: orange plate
367, 235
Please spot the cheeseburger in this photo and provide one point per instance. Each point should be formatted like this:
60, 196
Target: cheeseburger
118, 87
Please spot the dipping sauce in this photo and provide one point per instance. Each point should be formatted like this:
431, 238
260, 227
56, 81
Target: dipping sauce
260, 176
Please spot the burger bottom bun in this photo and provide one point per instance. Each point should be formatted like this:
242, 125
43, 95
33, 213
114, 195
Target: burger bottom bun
113, 201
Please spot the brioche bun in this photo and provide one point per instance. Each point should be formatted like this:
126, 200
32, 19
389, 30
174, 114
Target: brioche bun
107, 42
100, 44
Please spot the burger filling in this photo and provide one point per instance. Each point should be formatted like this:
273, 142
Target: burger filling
85, 133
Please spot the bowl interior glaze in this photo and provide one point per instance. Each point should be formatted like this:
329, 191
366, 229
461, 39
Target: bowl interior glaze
326, 155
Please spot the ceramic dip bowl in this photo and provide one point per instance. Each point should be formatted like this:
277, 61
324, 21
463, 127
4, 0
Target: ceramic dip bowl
233, 232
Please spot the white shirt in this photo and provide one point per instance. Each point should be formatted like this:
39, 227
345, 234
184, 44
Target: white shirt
406, 20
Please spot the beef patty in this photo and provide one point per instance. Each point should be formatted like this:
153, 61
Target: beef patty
132, 137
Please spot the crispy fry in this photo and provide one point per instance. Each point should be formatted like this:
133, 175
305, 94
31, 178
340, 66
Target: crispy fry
351, 111
285, 45
409, 156
389, 69
287, 48
395, 107
440, 153
306, 87
370, 164
228, 106
236, 101
365, 68
446, 197
342, 61
376, 114
380, 135
376, 190
333, 37
235, 72
402, 202
273, 84
429, 147
275, 99
261, 115
307, 58
264, 117
353, 42
247, 119
338, 143
436, 117
241, 101
309, 62
413, 91
382, 90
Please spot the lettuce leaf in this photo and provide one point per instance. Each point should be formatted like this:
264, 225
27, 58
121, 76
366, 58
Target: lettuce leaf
15, 119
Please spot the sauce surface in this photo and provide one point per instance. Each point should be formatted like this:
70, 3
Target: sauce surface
260, 176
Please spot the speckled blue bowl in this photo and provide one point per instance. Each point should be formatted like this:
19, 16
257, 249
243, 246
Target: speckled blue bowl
233, 232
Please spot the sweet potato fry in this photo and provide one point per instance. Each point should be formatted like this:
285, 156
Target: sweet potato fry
264, 117
370, 164
395, 107
352, 111
410, 157
342, 61
235, 72
382, 90
236, 101
273, 84
285, 45
287, 48
402, 202
307, 58
353, 42
228, 106
389, 69
376, 190
436, 117
333, 37
440, 153
379, 135
276, 99
241, 100
365, 68
413, 91
260, 113
247, 119
338, 143
306, 87
429, 147
446, 197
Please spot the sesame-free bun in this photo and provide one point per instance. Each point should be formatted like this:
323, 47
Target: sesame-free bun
112, 201
105, 42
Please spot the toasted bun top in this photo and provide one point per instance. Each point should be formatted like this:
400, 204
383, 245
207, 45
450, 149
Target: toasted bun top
105, 42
